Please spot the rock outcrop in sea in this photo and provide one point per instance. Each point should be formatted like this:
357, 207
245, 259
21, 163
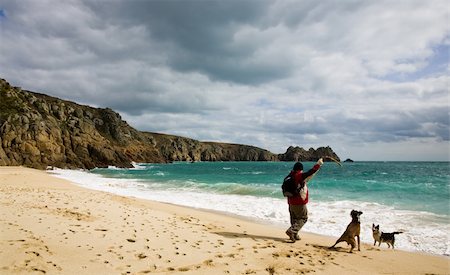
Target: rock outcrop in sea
300, 154
38, 130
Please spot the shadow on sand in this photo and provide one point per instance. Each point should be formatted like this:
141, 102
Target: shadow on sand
329, 248
254, 237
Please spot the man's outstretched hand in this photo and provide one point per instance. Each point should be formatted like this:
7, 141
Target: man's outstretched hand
320, 161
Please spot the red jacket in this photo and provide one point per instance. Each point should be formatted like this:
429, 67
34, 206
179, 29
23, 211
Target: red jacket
299, 177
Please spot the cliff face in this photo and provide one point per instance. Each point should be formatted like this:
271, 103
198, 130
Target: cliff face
37, 130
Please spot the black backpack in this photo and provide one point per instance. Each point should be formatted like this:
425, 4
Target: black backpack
289, 187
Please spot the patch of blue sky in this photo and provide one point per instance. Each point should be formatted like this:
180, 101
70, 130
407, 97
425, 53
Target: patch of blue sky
264, 103
436, 65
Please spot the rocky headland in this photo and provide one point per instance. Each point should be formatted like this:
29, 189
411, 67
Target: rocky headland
38, 131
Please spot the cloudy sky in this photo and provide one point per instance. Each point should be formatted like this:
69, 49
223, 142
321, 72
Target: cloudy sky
368, 78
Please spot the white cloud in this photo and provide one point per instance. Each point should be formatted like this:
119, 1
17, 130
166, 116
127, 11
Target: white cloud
270, 74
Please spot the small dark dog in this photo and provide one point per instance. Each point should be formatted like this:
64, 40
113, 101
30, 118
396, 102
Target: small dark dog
352, 231
380, 237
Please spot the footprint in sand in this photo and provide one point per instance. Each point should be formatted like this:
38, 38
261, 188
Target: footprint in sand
141, 256
38, 270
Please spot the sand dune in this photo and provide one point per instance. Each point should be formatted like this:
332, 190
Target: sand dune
50, 226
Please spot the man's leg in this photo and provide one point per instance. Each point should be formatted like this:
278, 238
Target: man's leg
299, 216
293, 220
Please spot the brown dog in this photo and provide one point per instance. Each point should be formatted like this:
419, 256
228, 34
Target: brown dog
352, 231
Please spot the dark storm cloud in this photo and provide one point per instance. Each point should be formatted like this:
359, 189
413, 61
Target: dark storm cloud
200, 35
197, 26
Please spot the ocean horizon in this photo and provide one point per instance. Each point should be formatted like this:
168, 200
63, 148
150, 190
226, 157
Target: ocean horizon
408, 196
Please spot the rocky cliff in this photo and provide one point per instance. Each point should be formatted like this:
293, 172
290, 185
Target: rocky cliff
175, 148
37, 130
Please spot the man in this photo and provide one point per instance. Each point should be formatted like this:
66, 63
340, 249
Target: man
297, 204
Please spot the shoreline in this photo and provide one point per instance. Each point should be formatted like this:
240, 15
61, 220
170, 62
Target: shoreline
327, 217
52, 225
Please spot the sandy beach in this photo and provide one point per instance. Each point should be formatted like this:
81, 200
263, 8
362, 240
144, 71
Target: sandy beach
51, 226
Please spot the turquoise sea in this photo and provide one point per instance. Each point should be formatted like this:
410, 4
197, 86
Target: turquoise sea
413, 197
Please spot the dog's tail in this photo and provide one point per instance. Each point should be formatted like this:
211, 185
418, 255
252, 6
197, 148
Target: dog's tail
397, 232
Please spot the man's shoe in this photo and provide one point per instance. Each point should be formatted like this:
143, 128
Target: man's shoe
291, 235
